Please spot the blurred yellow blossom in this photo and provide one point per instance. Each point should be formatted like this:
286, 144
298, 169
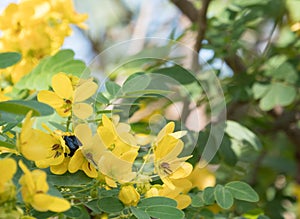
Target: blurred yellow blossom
34, 188
296, 192
35, 28
67, 98
202, 177
7, 188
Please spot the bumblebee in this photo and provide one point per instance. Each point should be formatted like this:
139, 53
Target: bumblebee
73, 143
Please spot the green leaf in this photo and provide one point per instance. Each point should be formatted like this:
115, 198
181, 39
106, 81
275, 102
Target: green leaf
197, 200
58, 126
7, 145
68, 179
15, 110
109, 193
164, 212
285, 72
242, 191
42, 215
112, 88
158, 200
136, 82
73, 212
259, 90
208, 195
139, 213
223, 197
110, 205
226, 152
41, 76
278, 94
178, 73
93, 205
9, 58
241, 133
102, 99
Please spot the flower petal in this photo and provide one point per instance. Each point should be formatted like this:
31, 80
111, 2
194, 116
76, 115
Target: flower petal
7, 173
60, 168
183, 201
62, 86
83, 133
89, 170
107, 123
182, 171
38, 146
40, 178
106, 136
169, 128
44, 202
82, 110
76, 161
50, 98
165, 146
26, 179
85, 90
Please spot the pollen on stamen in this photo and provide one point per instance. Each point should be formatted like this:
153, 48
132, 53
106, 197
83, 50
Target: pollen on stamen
55, 147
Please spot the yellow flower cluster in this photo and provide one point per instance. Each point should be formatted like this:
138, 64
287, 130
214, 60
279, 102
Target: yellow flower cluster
35, 28
109, 153
34, 188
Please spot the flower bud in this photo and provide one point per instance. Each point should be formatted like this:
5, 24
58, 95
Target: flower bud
128, 195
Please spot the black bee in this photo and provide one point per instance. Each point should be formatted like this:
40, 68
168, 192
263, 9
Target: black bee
73, 143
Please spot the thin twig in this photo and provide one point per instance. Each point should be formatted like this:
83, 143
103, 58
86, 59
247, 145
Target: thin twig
187, 8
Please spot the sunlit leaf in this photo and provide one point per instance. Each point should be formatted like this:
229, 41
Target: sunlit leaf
40, 77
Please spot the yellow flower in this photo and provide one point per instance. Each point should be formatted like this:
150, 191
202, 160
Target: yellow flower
43, 148
202, 178
34, 188
181, 187
167, 148
61, 151
115, 168
114, 163
65, 99
8, 168
118, 140
79, 162
128, 195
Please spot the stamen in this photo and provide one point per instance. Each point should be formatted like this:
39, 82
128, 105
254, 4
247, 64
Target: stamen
166, 168
55, 147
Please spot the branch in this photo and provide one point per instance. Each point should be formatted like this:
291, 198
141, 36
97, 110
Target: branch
187, 8
202, 22
235, 63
